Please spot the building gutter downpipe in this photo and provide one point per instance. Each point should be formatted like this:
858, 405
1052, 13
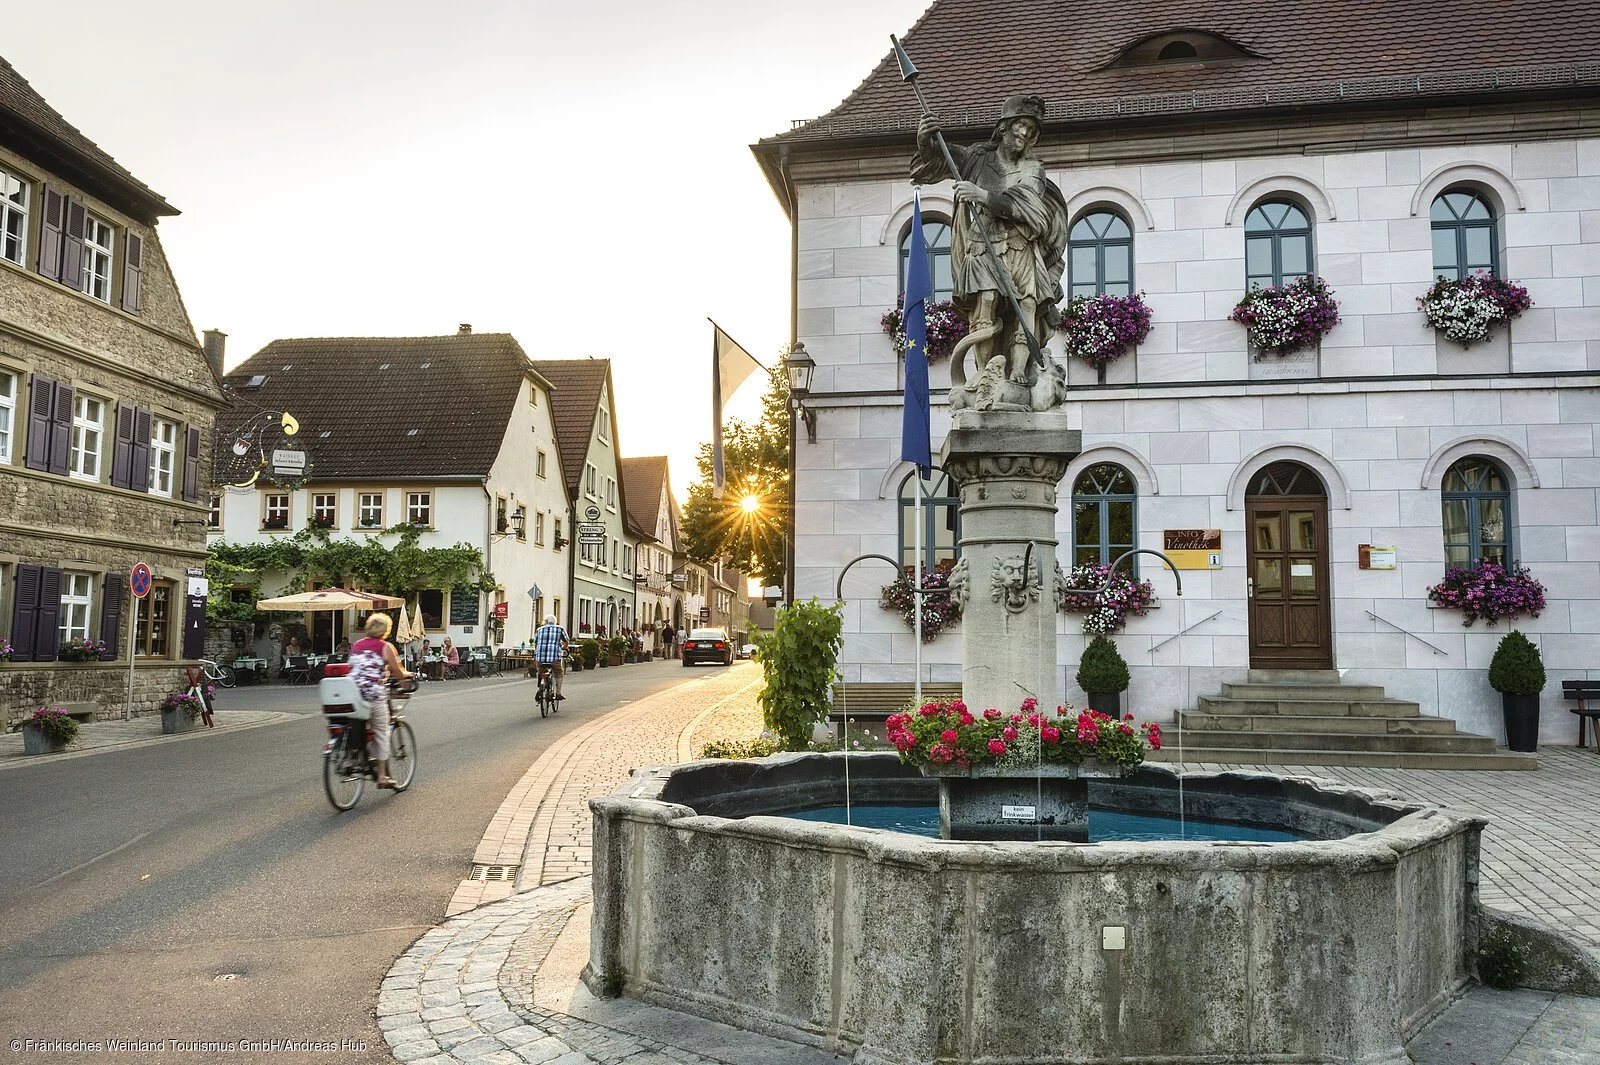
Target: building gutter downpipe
791, 206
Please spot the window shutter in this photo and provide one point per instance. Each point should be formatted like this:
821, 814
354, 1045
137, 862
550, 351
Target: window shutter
61, 429
194, 626
50, 234
41, 399
24, 608
111, 601
72, 231
139, 469
131, 265
122, 448
191, 465
47, 619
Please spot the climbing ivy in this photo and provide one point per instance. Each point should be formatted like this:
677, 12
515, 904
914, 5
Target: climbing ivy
799, 659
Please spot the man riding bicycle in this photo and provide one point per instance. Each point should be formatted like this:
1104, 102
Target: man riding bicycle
550, 645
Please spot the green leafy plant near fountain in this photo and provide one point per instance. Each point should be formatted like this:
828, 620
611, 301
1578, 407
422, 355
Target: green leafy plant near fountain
1103, 675
1501, 958
799, 660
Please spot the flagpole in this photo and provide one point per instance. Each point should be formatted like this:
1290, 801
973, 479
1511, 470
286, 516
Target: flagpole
916, 594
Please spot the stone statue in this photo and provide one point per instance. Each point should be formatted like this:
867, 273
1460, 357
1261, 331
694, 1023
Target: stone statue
1026, 219
1015, 582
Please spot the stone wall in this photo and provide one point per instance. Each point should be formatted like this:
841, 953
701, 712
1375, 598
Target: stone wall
26, 686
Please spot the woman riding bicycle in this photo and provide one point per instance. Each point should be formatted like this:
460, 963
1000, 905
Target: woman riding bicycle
373, 661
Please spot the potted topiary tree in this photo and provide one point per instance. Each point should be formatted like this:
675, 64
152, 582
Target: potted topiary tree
616, 647
590, 649
1517, 673
1103, 676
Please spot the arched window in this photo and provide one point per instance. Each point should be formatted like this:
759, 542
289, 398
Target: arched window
941, 521
1103, 518
1101, 249
1178, 50
1477, 513
937, 232
1464, 239
1277, 244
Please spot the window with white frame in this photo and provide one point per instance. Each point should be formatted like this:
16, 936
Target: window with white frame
538, 466
88, 429
325, 509
163, 455
556, 529
611, 494
538, 529
589, 474
8, 412
419, 508
605, 424
214, 518
98, 242
13, 217
369, 513
77, 599
275, 514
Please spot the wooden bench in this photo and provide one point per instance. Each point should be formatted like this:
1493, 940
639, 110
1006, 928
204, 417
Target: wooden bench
1587, 695
872, 703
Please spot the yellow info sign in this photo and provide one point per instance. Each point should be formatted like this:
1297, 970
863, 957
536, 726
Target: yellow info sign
1193, 548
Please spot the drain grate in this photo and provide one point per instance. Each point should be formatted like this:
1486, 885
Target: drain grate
493, 873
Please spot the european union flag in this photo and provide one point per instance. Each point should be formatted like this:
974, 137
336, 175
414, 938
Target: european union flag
914, 429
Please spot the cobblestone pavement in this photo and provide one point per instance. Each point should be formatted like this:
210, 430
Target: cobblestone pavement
497, 983
141, 731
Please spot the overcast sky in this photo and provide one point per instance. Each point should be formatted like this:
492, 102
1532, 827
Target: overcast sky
576, 174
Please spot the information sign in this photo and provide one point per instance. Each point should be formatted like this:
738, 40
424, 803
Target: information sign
1193, 548
464, 606
502, 611
705, 615
591, 533
140, 580
592, 513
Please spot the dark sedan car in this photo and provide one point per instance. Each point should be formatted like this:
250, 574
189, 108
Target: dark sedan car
707, 645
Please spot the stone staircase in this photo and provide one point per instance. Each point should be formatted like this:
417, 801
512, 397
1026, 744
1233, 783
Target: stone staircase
1307, 717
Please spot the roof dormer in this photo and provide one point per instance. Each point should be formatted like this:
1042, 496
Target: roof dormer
1179, 48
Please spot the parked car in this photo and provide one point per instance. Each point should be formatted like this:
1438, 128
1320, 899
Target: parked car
747, 651
707, 645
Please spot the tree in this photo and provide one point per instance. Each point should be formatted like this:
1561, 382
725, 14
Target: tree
748, 523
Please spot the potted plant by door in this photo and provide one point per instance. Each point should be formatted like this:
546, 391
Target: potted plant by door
1103, 676
1517, 673
616, 647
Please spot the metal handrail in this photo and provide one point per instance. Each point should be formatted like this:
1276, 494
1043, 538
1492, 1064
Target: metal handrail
1413, 635
1175, 635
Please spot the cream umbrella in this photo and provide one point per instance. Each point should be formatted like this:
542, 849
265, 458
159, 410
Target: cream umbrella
419, 631
402, 631
330, 599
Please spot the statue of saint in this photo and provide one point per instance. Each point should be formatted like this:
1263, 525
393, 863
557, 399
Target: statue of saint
1026, 219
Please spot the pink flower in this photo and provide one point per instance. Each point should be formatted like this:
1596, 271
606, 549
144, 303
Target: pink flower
996, 747
950, 735
1016, 719
1010, 733
1050, 734
991, 714
1030, 703
966, 718
958, 706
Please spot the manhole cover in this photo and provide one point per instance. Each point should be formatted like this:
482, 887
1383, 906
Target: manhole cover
500, 873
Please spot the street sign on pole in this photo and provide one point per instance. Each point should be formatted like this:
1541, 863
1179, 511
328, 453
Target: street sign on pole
139, 585
140, 580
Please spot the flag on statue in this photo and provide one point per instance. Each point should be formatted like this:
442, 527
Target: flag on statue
730, 365
915, 430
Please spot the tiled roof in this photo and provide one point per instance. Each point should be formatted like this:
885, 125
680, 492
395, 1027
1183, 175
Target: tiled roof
972, 54
577, 384
643, 478
405, 408
25, 115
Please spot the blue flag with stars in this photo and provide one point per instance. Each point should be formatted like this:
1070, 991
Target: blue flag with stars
914, 429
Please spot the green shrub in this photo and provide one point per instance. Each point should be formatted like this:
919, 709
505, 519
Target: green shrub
759, 747
617, 646
1502, 958
1516, 668
589, 647
1102, 669
798, 660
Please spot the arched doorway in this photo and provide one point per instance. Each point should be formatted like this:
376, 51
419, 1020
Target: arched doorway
1290, 606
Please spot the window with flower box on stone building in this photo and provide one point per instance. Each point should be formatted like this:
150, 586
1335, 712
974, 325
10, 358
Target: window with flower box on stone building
88, 430
275, 511
77, 600
163, 455
1277, 244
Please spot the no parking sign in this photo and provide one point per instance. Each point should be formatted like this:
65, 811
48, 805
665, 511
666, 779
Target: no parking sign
140, 580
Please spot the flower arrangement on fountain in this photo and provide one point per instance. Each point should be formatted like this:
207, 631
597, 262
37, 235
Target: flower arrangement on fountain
1105, 611
1489, 591
950, 735
939, 609
946, 327
1467, 309
1282, 319
1101, 329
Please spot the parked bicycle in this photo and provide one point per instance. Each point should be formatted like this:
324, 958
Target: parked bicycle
347, 764
218, 673
546, 695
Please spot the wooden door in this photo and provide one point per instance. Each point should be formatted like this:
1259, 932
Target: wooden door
1287, 558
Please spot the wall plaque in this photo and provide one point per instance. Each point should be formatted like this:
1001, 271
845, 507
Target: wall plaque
1193, 548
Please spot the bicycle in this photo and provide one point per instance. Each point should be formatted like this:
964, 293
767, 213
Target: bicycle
346, 765
546, 695
217, 672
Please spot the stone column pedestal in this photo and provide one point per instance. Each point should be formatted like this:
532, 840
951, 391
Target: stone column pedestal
1008, 465
988, 802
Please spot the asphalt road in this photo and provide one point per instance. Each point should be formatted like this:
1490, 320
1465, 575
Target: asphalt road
204, 889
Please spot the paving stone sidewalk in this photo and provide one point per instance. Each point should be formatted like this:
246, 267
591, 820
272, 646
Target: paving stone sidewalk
497, 983
141, 731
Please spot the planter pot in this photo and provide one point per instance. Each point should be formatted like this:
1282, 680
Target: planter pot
1522, 721
993, 803
36, 742
613, 660
1109, 703
173, 721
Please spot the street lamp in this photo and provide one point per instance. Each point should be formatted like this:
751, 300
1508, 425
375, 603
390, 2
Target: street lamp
801, 367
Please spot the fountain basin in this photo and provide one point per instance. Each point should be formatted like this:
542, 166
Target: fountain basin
896, 948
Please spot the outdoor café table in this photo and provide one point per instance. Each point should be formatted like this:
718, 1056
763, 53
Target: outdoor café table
250, 670
433, 667
521, 660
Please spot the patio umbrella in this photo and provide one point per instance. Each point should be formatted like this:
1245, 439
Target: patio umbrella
418, 630
402, 631
330, 599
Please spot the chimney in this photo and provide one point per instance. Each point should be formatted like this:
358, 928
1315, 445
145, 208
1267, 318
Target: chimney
463, 329
216, 343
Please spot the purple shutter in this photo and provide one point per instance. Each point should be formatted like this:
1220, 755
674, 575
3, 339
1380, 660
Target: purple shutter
72, 231
111, 601
194, 626
61, 429
50, 234
47, 620
41, 399
139, 462
191, 465
131, 265
24, 608
122, 447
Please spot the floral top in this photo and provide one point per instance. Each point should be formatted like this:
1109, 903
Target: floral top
366, 667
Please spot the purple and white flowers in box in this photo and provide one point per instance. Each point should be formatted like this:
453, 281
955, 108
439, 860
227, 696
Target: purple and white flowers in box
1489, 591
1104, 612
1101, 329
946, 327
1286, 318
939, 610
1467, 309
